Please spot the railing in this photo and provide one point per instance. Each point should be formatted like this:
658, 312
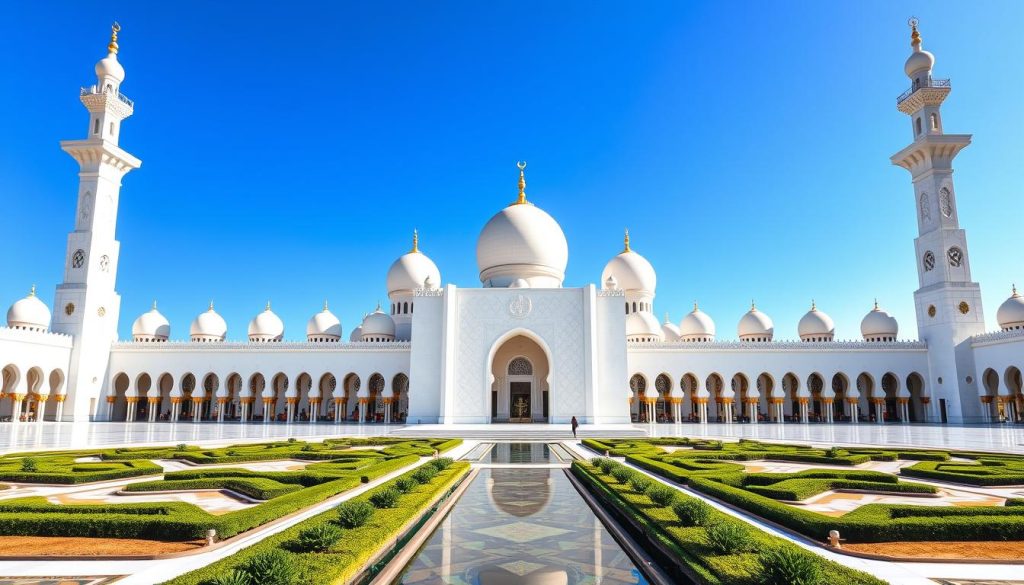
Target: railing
93, 90
916, 86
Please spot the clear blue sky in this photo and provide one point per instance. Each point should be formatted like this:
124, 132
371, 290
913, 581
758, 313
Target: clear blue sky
289, 149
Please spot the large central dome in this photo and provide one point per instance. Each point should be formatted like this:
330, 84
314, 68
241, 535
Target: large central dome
522, 242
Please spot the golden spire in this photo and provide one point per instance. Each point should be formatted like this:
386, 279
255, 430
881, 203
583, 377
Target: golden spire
32, 292
415, 241
522, 183
114, 29
915, 37
625, 241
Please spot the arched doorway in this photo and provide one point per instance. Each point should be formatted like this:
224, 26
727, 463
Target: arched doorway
519, 391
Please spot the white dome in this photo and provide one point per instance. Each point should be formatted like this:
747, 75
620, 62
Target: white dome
208, 326
522, 241
697, 326
1010, 314
29, 313
755, 326
920, 61
151, 326
357, 334
324, 326
643, 326
266, 326
411, 271
816, 325
631, 271
109, 66
378, 326
669, 331
879, 325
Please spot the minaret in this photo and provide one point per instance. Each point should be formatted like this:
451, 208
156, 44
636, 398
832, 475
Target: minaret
86, 305
948, 303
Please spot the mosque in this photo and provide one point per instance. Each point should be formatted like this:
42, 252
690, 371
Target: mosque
521, 347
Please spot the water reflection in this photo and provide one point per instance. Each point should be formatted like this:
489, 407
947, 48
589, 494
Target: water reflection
521, 453
521, 527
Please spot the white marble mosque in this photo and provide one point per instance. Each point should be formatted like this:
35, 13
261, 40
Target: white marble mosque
521, 346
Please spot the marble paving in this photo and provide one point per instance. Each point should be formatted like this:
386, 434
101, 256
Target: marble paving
525, 525
213, 501
838, 503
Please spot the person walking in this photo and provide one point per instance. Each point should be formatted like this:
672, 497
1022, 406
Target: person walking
575, 425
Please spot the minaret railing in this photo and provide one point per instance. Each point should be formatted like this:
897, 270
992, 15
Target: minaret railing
916, 86
94, 90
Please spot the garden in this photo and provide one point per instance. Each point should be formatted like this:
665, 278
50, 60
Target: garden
882, 501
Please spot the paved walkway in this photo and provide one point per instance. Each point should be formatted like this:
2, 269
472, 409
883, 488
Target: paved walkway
893, 572
39, 436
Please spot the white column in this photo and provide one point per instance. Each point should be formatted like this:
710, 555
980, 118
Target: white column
60, 410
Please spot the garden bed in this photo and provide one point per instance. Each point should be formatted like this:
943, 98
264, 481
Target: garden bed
64, 546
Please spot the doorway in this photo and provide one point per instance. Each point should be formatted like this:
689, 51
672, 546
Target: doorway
520, 410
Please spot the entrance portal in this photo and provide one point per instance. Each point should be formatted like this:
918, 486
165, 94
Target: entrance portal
519, 392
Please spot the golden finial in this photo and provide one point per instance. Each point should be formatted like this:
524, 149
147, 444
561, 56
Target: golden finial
415, 241
522, 183
876, 303
114, 29
154, 304
813, 306
1014, 289
211, 305
695, 307
325, 305
268, 306
625, 241
915, 37
32, 292
753, 307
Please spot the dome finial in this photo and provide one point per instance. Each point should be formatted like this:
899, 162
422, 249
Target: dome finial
415, 241
625, 241
114, 29
211, 305
268, 306
325, 304
813, 306
915, 37
695, 306
1014, 287
378, 307
522, 182
876, 303
666, 317
154, 304
753, 306
32, 291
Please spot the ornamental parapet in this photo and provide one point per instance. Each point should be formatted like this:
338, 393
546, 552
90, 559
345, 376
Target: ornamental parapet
789, 345
283, 346
614, 292
1009, 335
39, 337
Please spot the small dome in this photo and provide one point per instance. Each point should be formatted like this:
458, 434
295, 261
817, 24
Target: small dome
108, 67
643, 326
878, 325
632, 271
669, 331
151, 326
378, 326
1010, 314
816, 325
29, 313
208, 326
357, 333
266, 326
697, 326
522, 241
519, 283
411, 271
611, 283
755, 326
323, 326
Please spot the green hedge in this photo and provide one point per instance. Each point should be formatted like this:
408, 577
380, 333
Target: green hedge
984, 473
260, 488
690, 543
64, 470
346, 557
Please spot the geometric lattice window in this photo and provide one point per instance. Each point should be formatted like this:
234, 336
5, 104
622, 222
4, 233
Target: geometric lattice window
946, 202
926, 210
929, 261
520, 367
376, 383
188, 384
662, 384
638, 383
956, 256
78, 259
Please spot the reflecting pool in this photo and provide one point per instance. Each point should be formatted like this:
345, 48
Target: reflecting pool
521, 453
521, 526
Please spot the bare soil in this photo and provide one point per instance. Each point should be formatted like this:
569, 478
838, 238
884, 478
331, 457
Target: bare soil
67, 546
1012, 550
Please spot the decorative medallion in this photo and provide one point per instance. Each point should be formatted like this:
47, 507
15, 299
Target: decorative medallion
931, 310
101, 311
929, 261
956, 256
964, 307
946, 202
105, 263
69, 308
78, 259
520, 306
926, 211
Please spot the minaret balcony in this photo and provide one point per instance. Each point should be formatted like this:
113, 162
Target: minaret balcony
95, 95
942, 85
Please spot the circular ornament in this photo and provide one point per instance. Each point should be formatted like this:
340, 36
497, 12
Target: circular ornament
964, 307
101, 311
929, 261
69, 308
956, 256
520, 306
931, 310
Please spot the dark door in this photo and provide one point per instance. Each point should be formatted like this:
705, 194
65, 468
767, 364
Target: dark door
942, 409
519, 401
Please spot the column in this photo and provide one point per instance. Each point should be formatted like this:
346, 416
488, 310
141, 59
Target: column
60, 406
110, 407
337, 411
40, 406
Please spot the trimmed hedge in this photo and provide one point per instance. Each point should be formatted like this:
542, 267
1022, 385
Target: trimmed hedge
342, 560
260, 488
701, 549
987, 472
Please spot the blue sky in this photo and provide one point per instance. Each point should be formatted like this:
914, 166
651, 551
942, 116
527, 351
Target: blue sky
289, 149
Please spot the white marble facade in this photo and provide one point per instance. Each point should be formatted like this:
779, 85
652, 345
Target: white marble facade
522, 346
